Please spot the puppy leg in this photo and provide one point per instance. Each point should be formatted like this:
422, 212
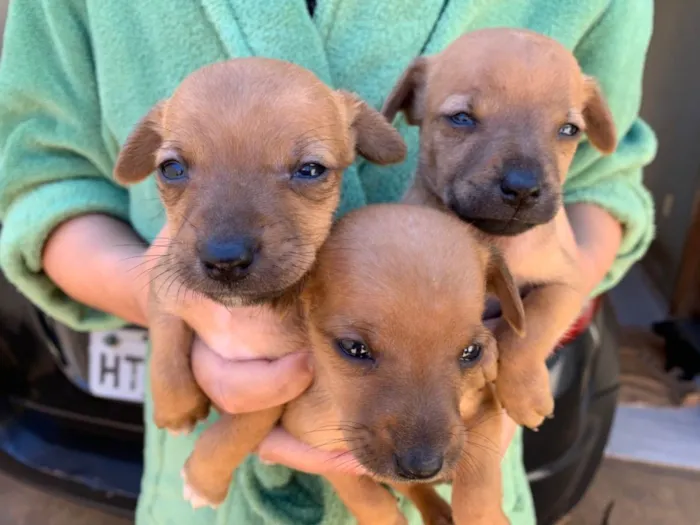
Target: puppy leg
220, 450
367, 500
433, 509
523, 379
477, 492
178, 402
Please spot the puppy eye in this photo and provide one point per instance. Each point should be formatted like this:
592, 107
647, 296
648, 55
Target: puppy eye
569, 130
172, 170
471, 354
462, 120
310, 170
354, 349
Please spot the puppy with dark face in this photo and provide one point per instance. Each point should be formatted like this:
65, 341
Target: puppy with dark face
501, 112
249, 156
404, 364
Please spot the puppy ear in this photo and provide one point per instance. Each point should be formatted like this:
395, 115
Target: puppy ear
500, 282
600, 126
375, 138
407, 95
137, 157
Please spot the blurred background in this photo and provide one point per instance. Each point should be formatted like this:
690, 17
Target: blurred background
624, 449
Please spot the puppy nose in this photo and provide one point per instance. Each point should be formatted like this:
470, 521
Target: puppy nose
520, 187
230, 259
418, 463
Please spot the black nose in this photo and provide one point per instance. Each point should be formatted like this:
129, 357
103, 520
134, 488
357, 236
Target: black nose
418, 463
230, 259
520, 187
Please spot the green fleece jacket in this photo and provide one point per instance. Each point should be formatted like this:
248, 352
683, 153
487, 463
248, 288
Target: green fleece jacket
76, 75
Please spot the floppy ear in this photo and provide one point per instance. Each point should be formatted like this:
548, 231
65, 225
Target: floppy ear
375, 138
408, 94
500, 282
137, 157
600, 126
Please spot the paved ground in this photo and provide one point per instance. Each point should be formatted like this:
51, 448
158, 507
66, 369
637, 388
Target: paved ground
640, 494
20, 505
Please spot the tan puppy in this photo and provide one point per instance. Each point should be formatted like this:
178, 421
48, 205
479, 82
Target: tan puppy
404, 364
501, 113
403, 369
249, 155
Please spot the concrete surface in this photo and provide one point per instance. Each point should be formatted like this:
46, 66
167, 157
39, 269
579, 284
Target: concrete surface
21, 505
639, 494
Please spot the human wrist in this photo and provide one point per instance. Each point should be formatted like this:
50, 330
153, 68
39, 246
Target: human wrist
598, 237
590, 271
132, 266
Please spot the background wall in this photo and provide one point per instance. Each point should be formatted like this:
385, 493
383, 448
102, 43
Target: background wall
672, 106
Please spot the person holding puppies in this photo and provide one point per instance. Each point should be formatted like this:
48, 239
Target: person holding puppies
77, 75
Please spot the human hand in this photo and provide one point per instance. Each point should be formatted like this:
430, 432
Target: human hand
238, 384
235, 360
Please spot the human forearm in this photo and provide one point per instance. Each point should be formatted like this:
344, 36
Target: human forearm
99, 261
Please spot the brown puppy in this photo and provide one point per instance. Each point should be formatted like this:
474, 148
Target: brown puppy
501, 112
404, 364
249, 155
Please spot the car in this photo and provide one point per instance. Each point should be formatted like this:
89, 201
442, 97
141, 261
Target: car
71, 414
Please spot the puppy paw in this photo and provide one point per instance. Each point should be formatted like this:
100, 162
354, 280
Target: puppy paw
439, 513
398, 519
499, 519
181, 418
184, 431
201, 486
526, 396
496, 518
530, 412
191, 495
439, 519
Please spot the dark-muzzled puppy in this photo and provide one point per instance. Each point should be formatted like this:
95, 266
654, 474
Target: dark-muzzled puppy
501, 113
249, 155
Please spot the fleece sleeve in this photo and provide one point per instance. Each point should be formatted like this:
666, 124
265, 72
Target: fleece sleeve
53, 161
614, 51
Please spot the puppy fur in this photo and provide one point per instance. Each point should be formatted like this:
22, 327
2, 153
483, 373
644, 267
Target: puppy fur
501, 112
249, 155
404, 364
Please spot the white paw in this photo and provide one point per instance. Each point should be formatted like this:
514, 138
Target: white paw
190, 494
182, 431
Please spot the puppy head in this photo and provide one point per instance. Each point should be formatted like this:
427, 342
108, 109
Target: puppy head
249, 156
395, 321
501, 113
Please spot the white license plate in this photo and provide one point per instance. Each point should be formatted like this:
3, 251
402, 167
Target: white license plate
117, 362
